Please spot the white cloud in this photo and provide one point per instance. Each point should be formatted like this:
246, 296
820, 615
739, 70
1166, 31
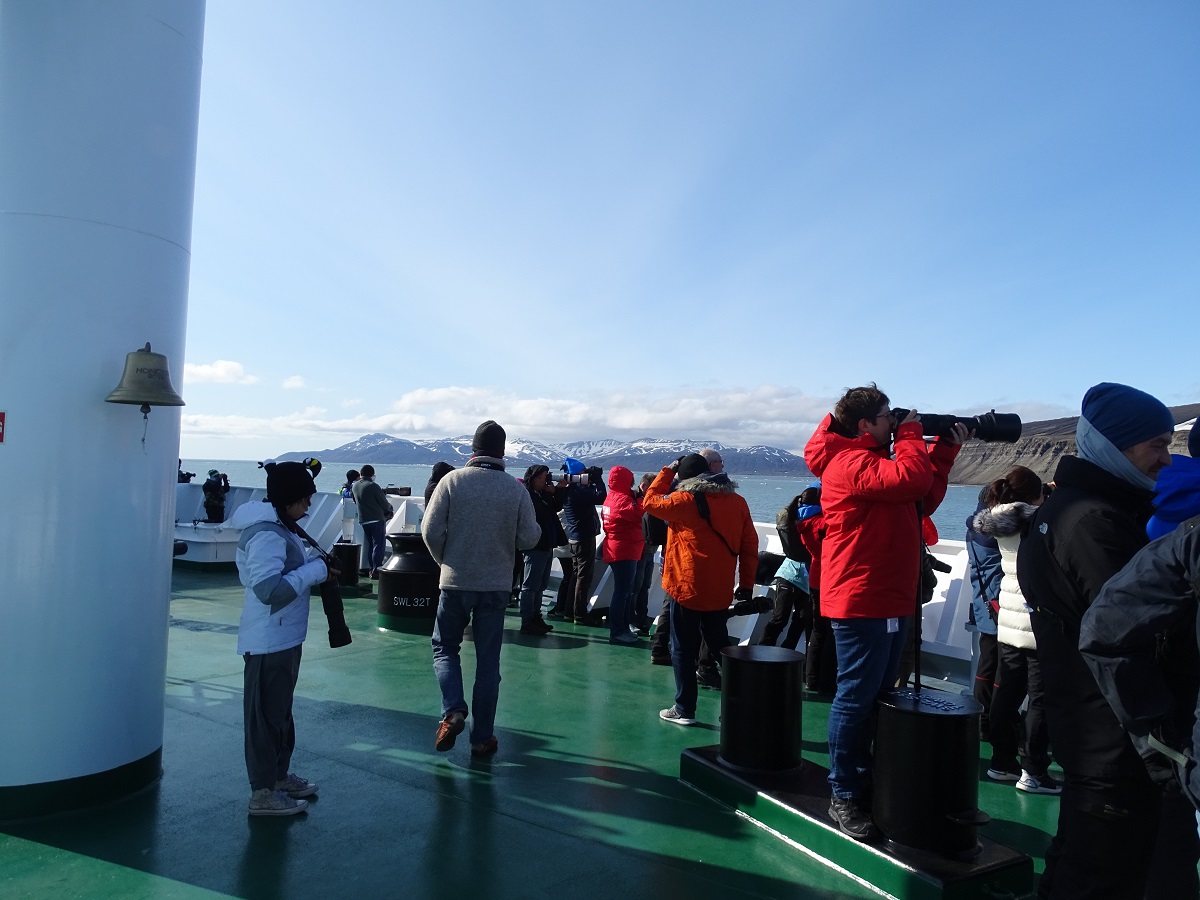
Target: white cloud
223, 371
292, 382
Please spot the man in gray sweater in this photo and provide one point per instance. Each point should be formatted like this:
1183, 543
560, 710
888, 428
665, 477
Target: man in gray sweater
476, 521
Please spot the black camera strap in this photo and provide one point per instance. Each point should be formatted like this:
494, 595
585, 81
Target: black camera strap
706, 515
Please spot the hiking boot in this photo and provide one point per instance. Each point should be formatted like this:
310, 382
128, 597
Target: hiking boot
659, 660
709, 677
449, 728
672, 714
592, 620
1038, 784
268, 802
295, 786
628, 639
536, 626
850, 819
487, 748
1004, 771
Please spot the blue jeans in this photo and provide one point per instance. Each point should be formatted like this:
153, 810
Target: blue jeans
533, 585
485, 611
687, 627
868, 657
374, 539
620, 610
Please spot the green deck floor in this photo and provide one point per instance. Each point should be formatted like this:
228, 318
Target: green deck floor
583, 799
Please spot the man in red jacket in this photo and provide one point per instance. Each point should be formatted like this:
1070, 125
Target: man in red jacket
870, 562
712, 544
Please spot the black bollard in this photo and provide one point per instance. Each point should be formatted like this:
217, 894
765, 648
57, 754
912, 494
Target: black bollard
925, 737
408, 585
761, 708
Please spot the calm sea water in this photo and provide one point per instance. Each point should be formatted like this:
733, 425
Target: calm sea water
765, 494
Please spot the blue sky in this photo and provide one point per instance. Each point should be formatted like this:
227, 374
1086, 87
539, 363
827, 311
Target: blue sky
684, 219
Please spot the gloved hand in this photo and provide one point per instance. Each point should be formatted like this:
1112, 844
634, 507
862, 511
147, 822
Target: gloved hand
742, 593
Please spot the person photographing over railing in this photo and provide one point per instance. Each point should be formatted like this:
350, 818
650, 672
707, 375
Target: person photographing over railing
871, 563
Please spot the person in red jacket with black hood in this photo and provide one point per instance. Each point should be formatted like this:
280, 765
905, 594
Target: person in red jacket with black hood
870, 563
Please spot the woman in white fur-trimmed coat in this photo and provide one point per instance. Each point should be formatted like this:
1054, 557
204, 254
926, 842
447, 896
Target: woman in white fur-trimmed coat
1011, 502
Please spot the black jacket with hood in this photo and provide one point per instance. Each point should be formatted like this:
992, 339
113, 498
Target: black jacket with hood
1084, 533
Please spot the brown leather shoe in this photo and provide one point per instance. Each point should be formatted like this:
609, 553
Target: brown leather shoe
448, 729
487, 748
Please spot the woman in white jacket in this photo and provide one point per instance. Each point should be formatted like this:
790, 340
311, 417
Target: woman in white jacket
1011, 502
278, 573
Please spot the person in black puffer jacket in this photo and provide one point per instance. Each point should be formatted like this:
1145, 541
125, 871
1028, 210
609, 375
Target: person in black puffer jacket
1120, 834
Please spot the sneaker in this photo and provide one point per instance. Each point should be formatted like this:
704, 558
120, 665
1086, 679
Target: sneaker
1004, 772
625, 640
449, 728
657, 660
1038, 784
672, 714
850, 819
295, 786
487, 748
709, 677
268, 802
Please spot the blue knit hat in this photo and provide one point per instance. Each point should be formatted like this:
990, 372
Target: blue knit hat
1125, 415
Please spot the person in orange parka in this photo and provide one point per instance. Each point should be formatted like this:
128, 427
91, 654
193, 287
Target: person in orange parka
712, 542
621, 516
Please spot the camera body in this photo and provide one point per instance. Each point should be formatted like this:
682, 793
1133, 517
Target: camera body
990, 427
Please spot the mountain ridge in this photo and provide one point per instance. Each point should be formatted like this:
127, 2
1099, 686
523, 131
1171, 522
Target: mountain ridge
1040, 447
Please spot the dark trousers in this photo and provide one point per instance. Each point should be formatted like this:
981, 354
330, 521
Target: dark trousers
985, 681
820, 663
660, 644
791, 605
1019, 674
564, 600
1121, 839
641, 587
214, 512
583, 555
269, 685
688, 627
373, 537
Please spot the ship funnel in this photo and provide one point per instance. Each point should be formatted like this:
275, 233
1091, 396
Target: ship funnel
146, 382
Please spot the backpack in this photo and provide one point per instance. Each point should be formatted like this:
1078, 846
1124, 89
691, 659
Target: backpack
789, 537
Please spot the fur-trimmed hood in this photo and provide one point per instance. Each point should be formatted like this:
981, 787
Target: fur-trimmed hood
1004, 519
708, 483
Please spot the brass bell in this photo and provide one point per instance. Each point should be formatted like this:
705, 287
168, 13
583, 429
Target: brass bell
146, 382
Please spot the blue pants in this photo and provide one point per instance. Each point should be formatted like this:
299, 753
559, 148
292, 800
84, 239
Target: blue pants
687, 628
484, 610
620, 611
868, 656
373, 538
533, 585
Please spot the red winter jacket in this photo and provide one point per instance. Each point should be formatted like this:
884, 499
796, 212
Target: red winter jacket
812, 532
621, 516
870, 558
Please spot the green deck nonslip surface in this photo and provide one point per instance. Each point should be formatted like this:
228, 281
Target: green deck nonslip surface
582, 800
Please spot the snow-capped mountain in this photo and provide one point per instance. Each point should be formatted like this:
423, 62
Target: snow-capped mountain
641, 455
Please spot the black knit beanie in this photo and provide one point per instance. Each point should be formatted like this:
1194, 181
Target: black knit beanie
488, 440
288, 482
692, 465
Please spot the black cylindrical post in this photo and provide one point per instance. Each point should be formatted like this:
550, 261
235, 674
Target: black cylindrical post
761, 708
